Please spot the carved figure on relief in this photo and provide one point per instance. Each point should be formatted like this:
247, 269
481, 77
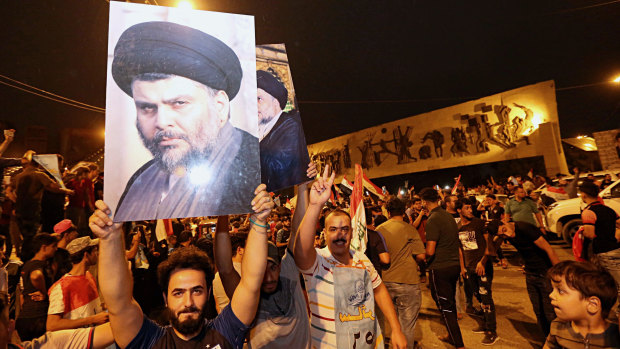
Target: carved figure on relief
438, 141
459, 142
365, 149
404, 156
346, 156
383, 147
424, 152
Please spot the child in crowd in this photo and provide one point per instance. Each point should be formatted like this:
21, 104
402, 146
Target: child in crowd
582, 297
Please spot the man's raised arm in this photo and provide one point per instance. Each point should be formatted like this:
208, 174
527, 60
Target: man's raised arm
115, 280
244, 301
301, 205
305, 254
222, 252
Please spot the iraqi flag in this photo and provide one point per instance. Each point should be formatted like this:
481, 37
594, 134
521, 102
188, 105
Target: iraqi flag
358, 214
370, 186
346, 186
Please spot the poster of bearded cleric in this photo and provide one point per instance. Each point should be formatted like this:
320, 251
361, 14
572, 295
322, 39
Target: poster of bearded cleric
181, 129
283, 151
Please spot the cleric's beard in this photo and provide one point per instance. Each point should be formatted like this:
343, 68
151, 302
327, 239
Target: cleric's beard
266, 120
169, 158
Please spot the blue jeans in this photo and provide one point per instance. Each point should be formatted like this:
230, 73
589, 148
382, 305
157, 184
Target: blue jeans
480, 287
539, 288
407, 300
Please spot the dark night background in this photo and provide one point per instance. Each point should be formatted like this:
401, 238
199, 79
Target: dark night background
355, 64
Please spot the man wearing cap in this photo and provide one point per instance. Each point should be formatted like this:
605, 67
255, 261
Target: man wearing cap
283, 151
66, 232
182, 81
74, 300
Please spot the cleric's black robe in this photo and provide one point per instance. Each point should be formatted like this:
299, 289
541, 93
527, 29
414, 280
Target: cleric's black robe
225, 186
283, 153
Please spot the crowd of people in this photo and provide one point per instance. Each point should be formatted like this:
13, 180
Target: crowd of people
286, 277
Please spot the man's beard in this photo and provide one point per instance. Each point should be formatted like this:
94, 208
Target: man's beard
201, 142
189, 326
266, 120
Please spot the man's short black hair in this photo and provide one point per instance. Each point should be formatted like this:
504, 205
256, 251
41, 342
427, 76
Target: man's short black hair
237, 240
395, 207
338, 212
380, 219
458, 204
42, 239
429, 194
184, 258
492, 196
77, 257
206, 245
589, 188
184, 236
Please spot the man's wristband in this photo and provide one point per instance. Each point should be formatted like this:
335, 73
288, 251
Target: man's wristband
258, 225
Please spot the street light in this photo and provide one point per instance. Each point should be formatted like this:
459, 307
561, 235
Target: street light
617, 80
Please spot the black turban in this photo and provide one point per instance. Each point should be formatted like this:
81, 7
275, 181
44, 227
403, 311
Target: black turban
271, 85
170, 48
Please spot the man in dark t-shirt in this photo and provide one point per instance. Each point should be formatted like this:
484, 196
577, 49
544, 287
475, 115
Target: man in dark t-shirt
600, 224
474, 236
538, 257
33, 315
490, 208
442, 259
185, 279
376, 248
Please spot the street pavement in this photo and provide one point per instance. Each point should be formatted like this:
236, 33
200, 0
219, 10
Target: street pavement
516, 322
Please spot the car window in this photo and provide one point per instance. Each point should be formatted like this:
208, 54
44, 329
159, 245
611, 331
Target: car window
615, 191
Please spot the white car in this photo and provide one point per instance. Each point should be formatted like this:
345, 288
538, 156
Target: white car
564, 217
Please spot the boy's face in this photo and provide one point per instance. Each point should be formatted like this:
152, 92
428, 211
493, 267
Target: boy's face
567, 303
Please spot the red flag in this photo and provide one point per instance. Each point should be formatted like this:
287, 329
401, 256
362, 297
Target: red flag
168, 226
456, 184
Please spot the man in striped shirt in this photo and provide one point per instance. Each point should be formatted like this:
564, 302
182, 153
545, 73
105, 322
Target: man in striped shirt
339, 281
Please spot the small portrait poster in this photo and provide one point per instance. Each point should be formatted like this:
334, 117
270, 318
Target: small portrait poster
181, 136
283, 151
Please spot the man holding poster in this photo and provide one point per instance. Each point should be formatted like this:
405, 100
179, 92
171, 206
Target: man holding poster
182, 81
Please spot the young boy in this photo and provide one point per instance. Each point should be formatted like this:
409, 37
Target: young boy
582, 296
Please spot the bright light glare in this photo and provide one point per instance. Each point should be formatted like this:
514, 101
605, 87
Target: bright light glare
537, 119
617, 79
402, 192
446, 187
185, 5
199, 175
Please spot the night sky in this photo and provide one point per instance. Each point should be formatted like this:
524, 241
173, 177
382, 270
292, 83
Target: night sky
355, 64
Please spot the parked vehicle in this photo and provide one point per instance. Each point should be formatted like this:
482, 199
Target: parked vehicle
564, 217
